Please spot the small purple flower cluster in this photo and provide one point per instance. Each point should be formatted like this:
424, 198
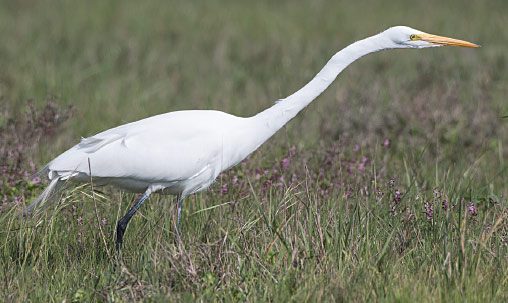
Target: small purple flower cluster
363, 163
324, 172
445, 205
397, 196
472, 209
279, 176
386, 143
17, 138
429, 211
224, 189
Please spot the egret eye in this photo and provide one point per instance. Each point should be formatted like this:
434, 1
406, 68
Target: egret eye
413, 37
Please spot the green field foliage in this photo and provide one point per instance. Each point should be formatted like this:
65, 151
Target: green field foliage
390, 187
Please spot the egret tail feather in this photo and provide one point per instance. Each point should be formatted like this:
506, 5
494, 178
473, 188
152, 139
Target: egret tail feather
53, 186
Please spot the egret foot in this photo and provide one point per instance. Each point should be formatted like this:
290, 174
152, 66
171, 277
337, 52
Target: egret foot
120, 230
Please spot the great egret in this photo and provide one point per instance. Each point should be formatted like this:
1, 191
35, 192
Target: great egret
181, 153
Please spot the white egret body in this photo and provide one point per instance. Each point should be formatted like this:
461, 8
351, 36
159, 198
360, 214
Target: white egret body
183, 152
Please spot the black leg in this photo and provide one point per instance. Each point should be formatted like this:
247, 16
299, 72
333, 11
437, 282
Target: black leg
122, 224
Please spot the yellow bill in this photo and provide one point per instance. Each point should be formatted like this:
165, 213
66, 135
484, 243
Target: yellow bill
445, 40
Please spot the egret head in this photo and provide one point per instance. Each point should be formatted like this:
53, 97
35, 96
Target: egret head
406, 37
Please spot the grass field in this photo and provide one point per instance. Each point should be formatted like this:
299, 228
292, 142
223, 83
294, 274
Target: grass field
392, 186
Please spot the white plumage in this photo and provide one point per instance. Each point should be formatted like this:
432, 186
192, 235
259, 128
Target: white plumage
182, 152
156, 152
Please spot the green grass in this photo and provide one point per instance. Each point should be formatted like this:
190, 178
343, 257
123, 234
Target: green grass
331, 227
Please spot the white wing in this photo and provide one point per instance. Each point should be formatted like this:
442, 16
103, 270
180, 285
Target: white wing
164, 148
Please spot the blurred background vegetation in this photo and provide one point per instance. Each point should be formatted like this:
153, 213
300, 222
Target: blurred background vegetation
428, 123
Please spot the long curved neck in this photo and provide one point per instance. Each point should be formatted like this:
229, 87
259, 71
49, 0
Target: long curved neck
269, 121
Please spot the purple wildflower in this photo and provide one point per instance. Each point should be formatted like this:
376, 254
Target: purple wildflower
281, 182
437, 194
257, 175
36, 180
386, 143
267, 185
472, 209
234, 181
391, 183
18, 200
397, 197
224, 189
294, 179
445, 204
363, 164
349, 168
284, 163
429, 210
